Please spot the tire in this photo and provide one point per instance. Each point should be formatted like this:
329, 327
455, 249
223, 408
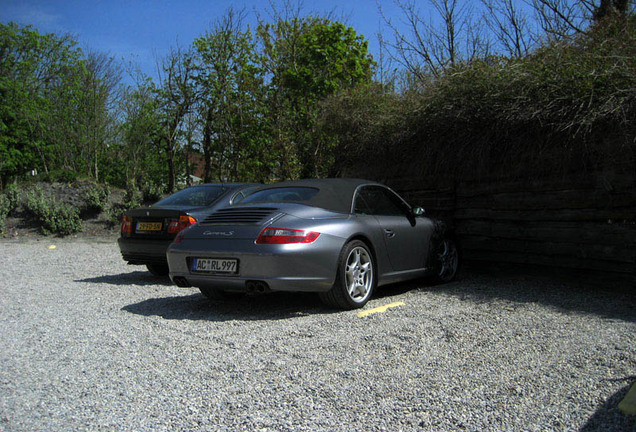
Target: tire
158, 269
218, 294
446, 261
356, 278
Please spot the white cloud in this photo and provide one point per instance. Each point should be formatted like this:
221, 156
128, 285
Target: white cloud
36, 14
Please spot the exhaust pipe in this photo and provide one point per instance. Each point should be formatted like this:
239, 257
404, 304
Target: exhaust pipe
250, 286
257, 286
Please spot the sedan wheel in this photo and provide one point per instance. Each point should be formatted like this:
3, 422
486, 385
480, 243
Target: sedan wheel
158, 269
447, 261
355, 280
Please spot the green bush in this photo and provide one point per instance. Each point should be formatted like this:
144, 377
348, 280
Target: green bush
116, 213
9, 201
53, 216
4, 211
13, 196
96, 198
152, 192
132, 199
568, 107
61, 176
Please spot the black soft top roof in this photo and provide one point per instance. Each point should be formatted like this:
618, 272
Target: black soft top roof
225, 185
334, 194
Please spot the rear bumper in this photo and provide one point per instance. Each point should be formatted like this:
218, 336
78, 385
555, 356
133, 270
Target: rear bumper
298, 267
143, 251
240, 284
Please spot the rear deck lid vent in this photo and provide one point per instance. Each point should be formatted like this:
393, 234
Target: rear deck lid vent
241, 215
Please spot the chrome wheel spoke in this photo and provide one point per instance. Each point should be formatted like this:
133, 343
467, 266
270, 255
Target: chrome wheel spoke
359, 274
355, 290
356, 257
350, 279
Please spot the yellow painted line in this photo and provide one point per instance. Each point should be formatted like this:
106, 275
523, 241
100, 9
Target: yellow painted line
628, 404
379, 309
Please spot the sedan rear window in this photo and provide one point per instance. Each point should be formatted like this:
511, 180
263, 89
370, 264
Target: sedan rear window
276, 195
197, 196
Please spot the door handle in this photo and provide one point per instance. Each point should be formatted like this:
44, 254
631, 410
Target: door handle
389, 233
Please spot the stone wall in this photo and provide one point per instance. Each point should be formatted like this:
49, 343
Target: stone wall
578, 222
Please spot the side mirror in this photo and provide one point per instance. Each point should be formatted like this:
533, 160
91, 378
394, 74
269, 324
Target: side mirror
418, 211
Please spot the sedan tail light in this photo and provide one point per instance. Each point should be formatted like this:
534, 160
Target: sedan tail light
179, 237
126, 226
286, 236
182, 223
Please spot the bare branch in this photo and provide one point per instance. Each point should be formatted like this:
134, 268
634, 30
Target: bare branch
436, 41
562, 18
509, 26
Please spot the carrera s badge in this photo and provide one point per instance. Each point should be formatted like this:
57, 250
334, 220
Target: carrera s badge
219, 233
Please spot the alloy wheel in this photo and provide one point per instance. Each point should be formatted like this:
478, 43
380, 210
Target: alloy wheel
359, 274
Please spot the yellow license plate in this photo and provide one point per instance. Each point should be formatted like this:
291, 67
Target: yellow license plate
148, 226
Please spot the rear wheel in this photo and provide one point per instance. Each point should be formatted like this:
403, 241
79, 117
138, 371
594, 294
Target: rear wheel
355, 280
158, 269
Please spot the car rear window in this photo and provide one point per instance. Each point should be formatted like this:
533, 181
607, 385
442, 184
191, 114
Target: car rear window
240, 196
276, 195
197, 196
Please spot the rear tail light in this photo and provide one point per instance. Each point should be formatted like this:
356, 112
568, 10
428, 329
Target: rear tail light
179, 225
286, 236
126, 226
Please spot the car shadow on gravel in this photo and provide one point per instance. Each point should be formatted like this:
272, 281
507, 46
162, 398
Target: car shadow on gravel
562, 293
399, 288
133, 278
252, 307
609, 417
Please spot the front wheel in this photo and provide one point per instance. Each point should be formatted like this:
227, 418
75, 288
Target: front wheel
446, 261
355, 278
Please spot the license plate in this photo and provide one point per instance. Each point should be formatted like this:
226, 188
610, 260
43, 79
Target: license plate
215, 265
148, 226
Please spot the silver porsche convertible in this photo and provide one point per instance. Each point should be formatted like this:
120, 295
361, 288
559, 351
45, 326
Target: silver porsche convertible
341, 238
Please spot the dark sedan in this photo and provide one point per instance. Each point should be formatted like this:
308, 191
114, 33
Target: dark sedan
338, 237
146, 232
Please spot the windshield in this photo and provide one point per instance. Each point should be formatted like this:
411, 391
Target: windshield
283, 194
197, 196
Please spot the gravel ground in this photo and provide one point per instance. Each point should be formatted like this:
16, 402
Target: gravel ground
89, 343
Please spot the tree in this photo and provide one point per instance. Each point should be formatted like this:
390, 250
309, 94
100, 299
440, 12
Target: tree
231, 94
38, 76
176, 95
95, 109
361, 121
140, 131
562, 18
56, 109
308, 59
437, 42
610, 7
510, 27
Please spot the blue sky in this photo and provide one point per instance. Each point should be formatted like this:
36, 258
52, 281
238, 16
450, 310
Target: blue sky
140, 30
